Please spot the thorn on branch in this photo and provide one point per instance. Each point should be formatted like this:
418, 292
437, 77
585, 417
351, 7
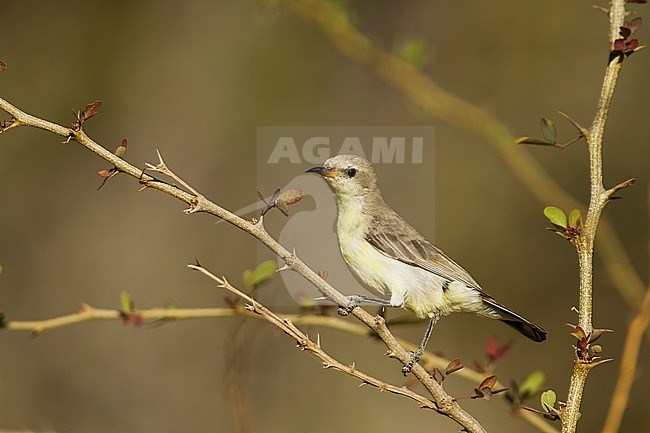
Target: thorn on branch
290, 260
198, 204
610, 192
6, 125
581, 129
145, 182
601, 9
161, 167
302, 344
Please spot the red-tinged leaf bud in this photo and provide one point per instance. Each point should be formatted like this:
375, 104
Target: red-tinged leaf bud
453, 366
488, 382
625, 32
634, 24
90, 110
491, 348
137, 320
291, 196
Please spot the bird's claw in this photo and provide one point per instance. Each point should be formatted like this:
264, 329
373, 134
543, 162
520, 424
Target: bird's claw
353, 302
413, 358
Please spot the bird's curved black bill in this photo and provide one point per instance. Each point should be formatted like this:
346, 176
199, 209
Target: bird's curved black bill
317, 170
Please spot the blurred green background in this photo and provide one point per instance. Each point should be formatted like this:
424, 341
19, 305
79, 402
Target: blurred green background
195, 80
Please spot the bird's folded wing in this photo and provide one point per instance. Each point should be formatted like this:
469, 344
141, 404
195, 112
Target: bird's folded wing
395, 238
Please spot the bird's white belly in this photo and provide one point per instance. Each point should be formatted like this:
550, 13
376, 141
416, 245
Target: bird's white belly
409, 286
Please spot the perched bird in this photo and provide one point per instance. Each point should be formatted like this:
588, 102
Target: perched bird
391, 257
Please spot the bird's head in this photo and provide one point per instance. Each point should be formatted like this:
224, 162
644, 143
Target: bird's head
348, 176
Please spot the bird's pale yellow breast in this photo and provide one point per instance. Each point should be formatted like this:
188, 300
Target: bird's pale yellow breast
362, 258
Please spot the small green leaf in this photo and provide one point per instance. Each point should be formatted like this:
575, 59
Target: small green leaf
534, 140
261, 274
247, 278
556, 216
121, 150
575, 217
548, 400
532, 383
126, 301
265, 270
548, 130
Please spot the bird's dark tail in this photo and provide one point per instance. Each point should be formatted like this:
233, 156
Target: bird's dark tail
513, 319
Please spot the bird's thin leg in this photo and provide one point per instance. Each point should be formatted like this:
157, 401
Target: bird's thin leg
415, 356
355, 300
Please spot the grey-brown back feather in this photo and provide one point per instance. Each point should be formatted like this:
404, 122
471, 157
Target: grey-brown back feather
394, 237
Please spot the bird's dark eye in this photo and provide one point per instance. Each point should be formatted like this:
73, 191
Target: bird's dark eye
352, 172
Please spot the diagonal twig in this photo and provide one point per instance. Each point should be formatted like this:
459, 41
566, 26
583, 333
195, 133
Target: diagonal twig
315, 348
446, 404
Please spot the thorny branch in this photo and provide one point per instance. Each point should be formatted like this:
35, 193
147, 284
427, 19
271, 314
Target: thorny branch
444, 403
584, 242
315, 348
